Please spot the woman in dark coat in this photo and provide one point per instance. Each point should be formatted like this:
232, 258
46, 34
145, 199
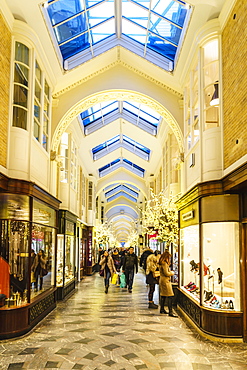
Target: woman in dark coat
165, 283
38, 267
107, 265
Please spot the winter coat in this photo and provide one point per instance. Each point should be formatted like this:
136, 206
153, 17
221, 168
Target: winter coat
144, 256
130, 262
152, 266
165, 280
117, 261
110, 264
38, 260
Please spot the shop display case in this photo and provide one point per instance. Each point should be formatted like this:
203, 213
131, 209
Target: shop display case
209, 283
27, 226
66, 244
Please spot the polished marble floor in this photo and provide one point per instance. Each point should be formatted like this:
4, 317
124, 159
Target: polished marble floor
116, 331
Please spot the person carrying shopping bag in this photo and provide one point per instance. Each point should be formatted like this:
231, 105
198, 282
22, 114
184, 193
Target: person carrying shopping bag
108, 268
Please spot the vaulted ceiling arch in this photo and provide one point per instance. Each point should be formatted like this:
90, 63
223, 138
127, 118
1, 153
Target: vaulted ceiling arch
122, 95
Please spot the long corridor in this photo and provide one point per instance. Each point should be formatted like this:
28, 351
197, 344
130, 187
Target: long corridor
94, 330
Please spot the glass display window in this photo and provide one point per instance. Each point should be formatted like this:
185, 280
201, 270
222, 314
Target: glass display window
60, 264
42, 259
69, 258
221, 275
14, 258
190, 257
211, 84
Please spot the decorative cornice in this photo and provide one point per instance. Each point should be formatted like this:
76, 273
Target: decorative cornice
121, 95
85, 79
118, 61
151, 79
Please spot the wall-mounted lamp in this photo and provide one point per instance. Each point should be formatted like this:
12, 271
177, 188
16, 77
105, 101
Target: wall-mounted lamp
215, 98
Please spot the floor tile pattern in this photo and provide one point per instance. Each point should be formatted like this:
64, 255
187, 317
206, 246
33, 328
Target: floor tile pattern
92, 330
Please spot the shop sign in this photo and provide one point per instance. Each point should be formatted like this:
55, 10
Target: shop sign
70, 228
188, 216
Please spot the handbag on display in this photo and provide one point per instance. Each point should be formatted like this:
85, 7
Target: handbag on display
101, 272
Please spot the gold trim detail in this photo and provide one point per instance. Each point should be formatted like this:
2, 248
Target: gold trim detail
121, 95
111, 65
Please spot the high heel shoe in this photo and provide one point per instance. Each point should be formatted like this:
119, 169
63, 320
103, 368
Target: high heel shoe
231, 306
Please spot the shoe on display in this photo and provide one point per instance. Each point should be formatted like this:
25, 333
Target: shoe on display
188, 285
231, 306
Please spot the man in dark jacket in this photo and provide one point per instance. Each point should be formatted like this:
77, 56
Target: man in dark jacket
130, 264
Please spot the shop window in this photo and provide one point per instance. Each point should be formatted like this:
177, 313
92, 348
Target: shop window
64, 156
211, 84
41, 118
90, 195
221, 269
21, 86
189, 243
73, 165
46, 115
43, 247
14, 253
66, 255
191, 108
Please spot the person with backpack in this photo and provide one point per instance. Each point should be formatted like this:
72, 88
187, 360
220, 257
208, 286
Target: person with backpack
130, 266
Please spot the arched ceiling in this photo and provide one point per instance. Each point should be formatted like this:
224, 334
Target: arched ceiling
122, 182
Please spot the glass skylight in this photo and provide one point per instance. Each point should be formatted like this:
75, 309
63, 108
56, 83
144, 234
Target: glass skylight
117, 142
119, 188
80, 26
103, 113
121, 162
121, 194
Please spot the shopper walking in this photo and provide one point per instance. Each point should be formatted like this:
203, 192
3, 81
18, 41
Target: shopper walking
108, 267
130, 266
152, 276
165, 283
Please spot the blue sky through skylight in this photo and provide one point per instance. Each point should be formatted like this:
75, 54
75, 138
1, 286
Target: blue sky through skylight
79, 25
103, 113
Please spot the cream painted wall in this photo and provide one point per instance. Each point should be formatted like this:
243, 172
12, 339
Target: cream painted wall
117, 78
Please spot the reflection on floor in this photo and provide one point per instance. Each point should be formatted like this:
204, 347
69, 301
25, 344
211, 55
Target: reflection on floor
116, 331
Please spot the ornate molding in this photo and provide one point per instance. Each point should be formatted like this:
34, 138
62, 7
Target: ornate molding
111, 65
116, 95
85, 79
151, 79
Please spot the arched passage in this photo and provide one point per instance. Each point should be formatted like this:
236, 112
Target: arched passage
121, 95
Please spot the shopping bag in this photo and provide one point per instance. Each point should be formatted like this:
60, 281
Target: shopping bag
114, 278
122, 281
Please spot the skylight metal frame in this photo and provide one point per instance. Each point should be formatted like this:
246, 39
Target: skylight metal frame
120, 141
122, 112
118, 163
116, 35
121, 187
121, 194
